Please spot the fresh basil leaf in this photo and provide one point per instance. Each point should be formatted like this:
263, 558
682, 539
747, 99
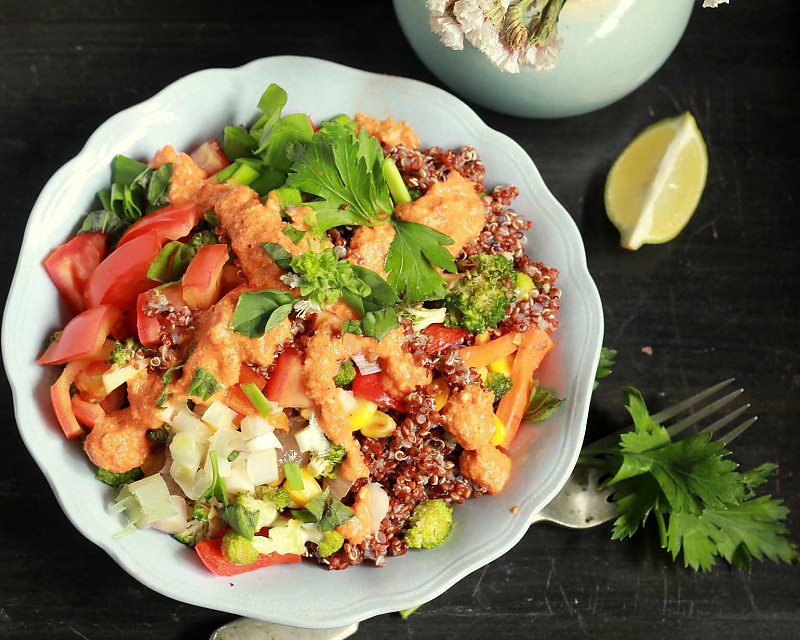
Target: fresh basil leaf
158, 185
304, 516
381, 295
105, 221
217, 489
241, 520
542, 405
295, 235
211, 218
127, 171
204, 384
252, 316
316, 506
378, 324
280, 255
336, 515
171, 262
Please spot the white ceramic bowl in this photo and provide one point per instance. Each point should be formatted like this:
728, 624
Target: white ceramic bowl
186, 113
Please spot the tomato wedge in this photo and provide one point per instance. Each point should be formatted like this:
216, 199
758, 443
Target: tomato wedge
148, 328
209, 157
285, 385
202, 282
122, 276
62, 402
210, 552
70, 266
441, 337
371, 387
83, 337
169, 223
236, 399
87, 413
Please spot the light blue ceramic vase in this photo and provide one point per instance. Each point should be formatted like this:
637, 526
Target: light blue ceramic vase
611, 47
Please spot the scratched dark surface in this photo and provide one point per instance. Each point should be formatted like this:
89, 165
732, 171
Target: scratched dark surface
721, 300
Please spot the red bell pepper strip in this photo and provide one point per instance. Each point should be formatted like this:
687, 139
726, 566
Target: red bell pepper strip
87, 413
70, 266
202, 280
371, 387
169, 223
248, 374
210, 553
84, 336
285, 385
122, 276
62, 402
209, 157
440, 337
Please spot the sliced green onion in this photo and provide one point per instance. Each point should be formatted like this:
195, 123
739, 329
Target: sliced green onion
258, 399
294, 477
395, 182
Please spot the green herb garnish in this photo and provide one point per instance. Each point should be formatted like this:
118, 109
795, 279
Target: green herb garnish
294, 477
542, 404
204, 384
607, 357
259, 400
258, 312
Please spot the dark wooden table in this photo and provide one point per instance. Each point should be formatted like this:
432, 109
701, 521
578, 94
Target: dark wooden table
721, 300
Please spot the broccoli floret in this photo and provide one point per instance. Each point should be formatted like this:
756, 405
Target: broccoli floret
346, 375
478, 300
336, 454
331, 543
422, 318
265, 510
498, 382
203, 239
278, 497
194, 532
123, 351
118, 479
200, 512
159, 435
238, 549
430, 524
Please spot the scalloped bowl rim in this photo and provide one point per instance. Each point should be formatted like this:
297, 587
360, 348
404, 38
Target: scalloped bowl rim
340, 606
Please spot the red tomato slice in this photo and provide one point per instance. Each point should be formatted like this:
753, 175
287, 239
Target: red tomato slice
248, 374
148, 328
87, 413
70, 266
210, 552
231, 278
169, 223
202, 282
122, 276
285, 385
209, 157
62, 402
84, 336
371, 387
441, 337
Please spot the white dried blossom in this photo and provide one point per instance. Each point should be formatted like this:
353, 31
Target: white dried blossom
504, 58
437, 7
306, 308
449, 31
292, 280
713, 4
543, 58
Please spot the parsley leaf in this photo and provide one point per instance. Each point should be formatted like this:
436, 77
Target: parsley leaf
258, 312
378, 324
542, 404
413, 254
204, 384
345, 170
604, 365
323, 277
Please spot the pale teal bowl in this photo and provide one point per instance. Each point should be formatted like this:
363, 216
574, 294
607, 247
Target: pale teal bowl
611, 47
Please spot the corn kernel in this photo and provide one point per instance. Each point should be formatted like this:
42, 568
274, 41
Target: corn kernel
441, 393
524, 285
430, 376
362, 413
482, 338
380, 426
309, 491
499, 432
306, 413
503, 365
483, 372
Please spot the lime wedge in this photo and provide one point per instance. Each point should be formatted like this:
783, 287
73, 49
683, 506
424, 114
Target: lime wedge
655, 185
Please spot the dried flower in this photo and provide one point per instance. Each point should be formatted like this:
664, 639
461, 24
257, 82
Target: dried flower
305, 308
713, 4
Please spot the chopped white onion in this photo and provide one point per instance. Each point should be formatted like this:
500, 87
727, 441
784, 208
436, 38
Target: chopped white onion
224, 442
202, 481
151, 501
219, 416
117, 376
339, 486
262, 467
185, 421
176, 523
186, 450
239, 479
267, 441
311, 438
254, 426
377, 503
365, 367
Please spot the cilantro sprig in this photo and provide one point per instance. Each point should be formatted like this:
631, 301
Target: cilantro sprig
704, 508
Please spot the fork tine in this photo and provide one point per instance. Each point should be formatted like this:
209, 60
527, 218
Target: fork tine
735, 433
675, 409
716, 426
695, 417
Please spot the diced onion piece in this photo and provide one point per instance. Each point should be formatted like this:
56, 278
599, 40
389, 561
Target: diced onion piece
202, 481
339, 486
186, 450
239, 479
151, 501
187, 422
262, 467
288, 538
311, 438
176, 523
377, 502
219, 416
365, 367
254, 426
117, 376
260, 443
224, 442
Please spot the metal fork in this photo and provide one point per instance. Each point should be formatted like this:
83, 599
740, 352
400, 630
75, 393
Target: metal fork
582, 504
